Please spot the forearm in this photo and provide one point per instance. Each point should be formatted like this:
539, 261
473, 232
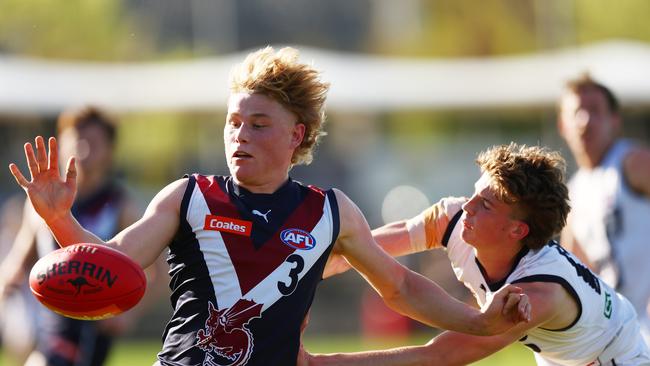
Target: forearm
403, 356
393, 238
425, 301
67, 231
447, 349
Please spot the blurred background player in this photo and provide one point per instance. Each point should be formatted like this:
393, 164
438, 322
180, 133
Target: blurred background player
17, 305
103, 206
609, 225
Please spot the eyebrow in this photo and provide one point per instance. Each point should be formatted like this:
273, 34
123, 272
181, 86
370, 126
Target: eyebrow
252, 115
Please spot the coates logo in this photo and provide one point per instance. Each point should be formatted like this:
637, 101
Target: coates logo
225, 337
298, 239
227, 224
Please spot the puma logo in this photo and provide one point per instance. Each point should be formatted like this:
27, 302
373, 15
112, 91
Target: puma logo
255, 212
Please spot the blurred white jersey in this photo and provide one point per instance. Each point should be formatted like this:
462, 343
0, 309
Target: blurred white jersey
605, 332
612, 223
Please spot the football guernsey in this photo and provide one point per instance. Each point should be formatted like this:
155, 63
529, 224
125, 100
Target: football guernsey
612, 223
605, 332
244, 269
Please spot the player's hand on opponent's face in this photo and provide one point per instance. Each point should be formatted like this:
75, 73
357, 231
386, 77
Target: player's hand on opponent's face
50, 195
506, 308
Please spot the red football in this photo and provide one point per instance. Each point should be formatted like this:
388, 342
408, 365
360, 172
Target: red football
87, 281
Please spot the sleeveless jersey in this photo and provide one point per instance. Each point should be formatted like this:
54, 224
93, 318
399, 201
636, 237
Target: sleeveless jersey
613, 224
244, 269
605, 332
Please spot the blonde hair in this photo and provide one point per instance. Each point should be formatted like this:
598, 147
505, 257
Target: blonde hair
296, 86
532, 180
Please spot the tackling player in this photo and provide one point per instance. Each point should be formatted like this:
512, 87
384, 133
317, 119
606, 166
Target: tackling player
502, 235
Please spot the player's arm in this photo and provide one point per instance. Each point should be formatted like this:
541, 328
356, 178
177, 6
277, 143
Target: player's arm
420, 233
52, 198
453, 348
636, 168
23, 250
393, 238
412, 294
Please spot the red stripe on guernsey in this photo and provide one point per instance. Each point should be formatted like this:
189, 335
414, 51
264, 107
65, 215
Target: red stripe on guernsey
253, 265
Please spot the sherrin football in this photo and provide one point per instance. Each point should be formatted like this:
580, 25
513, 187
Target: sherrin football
87, 281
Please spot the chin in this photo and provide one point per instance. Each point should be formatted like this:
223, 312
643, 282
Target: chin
466, 236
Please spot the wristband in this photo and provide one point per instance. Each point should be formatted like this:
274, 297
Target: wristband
417, 234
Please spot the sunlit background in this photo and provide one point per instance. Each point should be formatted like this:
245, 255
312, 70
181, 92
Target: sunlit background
418, 89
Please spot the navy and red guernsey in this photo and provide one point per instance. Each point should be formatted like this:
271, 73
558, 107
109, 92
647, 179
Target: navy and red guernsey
244, 269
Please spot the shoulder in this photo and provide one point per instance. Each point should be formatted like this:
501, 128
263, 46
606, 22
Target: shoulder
350, 216
452, 205
346, 205
172, 194
636, 167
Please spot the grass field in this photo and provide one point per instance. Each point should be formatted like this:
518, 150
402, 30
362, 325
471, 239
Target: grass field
143, 353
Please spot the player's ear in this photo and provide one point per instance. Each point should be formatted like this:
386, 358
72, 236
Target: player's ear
519, 229
298, 134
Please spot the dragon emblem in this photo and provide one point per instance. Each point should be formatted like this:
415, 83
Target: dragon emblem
226, 334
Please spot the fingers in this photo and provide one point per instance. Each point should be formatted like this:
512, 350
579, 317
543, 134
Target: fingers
518, 306
41, 154
20, 178
37, 161
71, 172
31, 160
511, 303
509, 289
53, 161
524, 308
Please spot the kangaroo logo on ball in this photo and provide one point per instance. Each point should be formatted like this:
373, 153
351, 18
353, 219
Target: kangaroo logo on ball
78, 283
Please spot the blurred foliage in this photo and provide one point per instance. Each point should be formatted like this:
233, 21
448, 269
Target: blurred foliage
601, 19
128, 30
72, 29
157, 148
465, 28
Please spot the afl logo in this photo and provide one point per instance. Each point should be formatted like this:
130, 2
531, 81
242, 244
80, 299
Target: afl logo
298, 239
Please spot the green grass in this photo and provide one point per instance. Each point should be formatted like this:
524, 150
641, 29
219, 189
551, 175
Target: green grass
143, 353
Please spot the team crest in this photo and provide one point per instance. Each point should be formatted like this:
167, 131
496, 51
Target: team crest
226, 337
298, 239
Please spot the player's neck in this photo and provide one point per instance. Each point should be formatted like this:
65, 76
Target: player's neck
498, 264
89, 183
266, 187
592, 159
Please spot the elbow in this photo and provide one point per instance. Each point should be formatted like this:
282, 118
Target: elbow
395, 291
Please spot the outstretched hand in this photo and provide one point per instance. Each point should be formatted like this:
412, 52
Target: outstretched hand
50, 195
506, 308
